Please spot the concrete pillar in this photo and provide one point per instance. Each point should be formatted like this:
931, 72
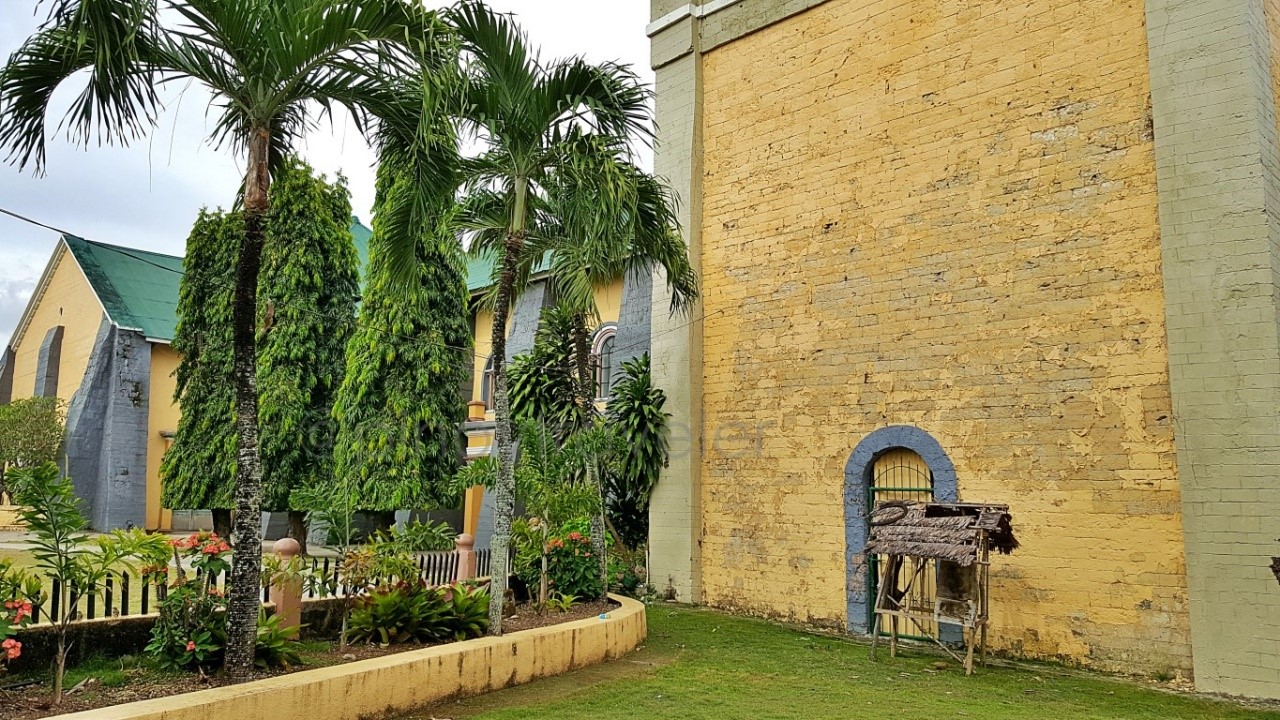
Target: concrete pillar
286, 592
1218, 175
675, 520
466, 557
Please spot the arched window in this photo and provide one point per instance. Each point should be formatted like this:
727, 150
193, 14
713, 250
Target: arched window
602, 358
486, 384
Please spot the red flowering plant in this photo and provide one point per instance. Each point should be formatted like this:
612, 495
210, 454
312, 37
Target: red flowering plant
20, 591
191, 630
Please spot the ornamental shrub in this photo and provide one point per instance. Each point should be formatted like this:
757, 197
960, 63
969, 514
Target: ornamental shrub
572, 568
414, 612
19, 590
191, 631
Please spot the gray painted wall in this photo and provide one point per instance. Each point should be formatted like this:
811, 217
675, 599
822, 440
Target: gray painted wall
6, 376
107, 430
634, 327
524, 318
49, 363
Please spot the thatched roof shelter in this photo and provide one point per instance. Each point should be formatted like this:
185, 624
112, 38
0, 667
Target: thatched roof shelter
942, 531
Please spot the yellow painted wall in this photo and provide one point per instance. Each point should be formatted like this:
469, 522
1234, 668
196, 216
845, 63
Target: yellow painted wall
943, 214
69, 301
162, 416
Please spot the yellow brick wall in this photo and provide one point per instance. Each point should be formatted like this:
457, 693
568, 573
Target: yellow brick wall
943, 214
68, 300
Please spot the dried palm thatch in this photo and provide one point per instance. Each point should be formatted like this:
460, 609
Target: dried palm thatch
944, 531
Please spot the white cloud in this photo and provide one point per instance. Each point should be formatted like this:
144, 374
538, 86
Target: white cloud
147, 195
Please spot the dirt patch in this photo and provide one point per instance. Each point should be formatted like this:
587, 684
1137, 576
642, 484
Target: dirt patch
527, 617
30, 702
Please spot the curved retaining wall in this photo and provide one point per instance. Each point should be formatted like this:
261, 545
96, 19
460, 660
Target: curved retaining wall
402, 682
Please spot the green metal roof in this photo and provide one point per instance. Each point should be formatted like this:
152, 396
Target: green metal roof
480, 270
139, 289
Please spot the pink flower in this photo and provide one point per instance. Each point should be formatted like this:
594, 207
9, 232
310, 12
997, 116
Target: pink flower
12, 649
191, 646
575, 536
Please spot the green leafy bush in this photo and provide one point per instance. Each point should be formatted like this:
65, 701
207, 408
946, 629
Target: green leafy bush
275, 646
414, 612
421, 537
468, 610
399, 613
191, 630
637, 417
572, 568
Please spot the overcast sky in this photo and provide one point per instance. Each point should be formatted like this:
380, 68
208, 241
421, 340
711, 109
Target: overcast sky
147, 195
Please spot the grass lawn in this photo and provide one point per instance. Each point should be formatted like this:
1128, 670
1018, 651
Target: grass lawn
704, 664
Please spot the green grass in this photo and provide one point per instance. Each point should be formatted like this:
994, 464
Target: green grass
703, 664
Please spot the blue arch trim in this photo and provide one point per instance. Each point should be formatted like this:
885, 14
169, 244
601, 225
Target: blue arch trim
857, 478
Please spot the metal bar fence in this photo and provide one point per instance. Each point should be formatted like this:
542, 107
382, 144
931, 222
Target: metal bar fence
126, 593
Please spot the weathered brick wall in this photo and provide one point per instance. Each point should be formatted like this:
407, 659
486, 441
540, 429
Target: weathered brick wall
943, 214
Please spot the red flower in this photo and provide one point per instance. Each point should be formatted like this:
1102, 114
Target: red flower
575, 536
191, 646
12, 649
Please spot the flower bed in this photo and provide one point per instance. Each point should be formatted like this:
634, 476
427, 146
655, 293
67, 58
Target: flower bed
401, 681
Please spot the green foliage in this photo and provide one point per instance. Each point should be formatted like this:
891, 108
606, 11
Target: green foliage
31, 431
400, 613
275, 647
542, 382
421, 537
400, 405
19, 591
468, 610
191, 628
637, 419
306, 302
406, 612
190, 631
306, 306
561, 603
199, 467
572, 568
64, 552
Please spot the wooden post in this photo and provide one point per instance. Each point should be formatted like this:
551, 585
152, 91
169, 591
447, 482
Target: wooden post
466, 557
286, 593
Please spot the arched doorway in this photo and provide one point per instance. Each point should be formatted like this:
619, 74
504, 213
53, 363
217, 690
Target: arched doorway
900, 474
895, 462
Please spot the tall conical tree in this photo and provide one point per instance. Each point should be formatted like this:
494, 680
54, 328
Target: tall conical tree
399, 408
307, 312
199, 468
306, 297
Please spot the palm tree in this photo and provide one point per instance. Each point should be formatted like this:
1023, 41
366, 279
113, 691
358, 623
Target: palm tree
274, 69
538, 122
587, 250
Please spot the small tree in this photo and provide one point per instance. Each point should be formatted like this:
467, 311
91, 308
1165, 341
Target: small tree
198, 470
399, 408
31, 431
307, 305
66, 554
637, 419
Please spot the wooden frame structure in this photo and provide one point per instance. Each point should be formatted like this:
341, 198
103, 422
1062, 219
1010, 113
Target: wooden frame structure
953, 543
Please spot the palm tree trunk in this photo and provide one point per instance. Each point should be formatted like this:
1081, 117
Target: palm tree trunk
504, 490
243, 603
586, 401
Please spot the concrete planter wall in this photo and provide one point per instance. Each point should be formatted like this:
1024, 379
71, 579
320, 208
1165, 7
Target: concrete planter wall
385, 686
